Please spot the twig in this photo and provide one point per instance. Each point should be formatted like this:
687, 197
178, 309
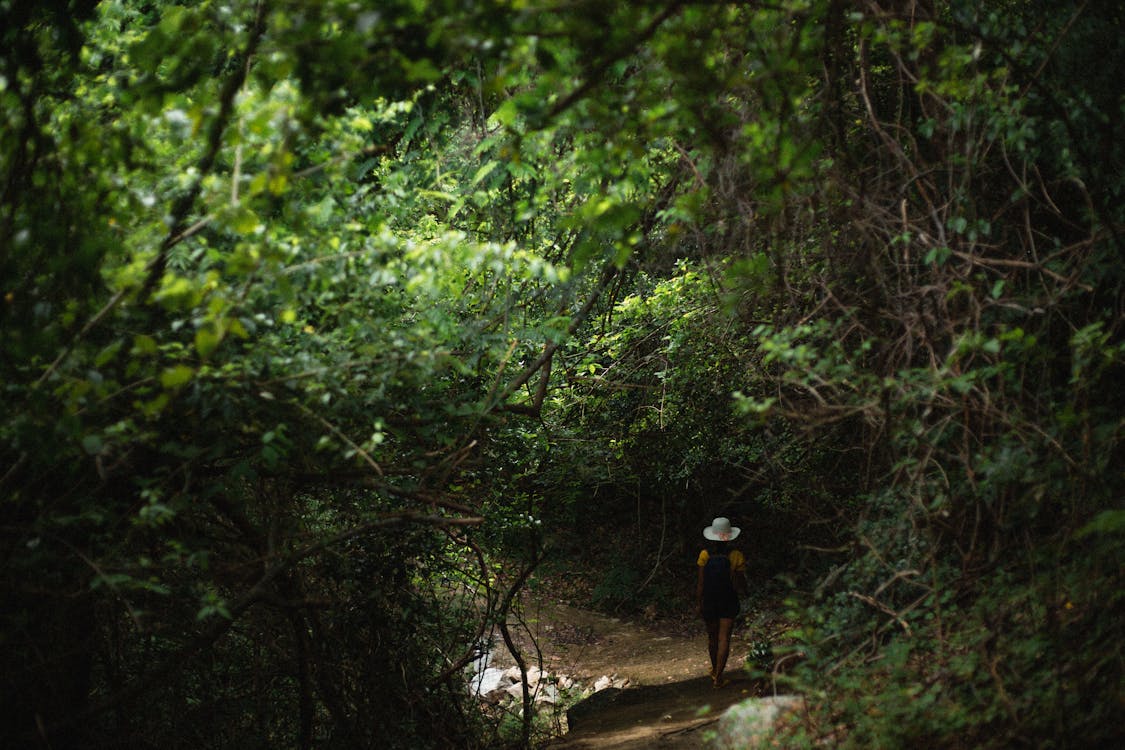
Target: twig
351, 444
872, 601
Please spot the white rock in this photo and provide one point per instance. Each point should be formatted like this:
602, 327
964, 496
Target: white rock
565, 682
751, 724
602, 683
512, 675
487, 681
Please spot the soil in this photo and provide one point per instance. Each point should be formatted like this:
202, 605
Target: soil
677, 715
668, 701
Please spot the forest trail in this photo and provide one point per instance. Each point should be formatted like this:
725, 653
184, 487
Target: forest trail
677, 715
668, 701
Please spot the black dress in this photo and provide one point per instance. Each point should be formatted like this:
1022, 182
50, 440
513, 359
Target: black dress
720, 600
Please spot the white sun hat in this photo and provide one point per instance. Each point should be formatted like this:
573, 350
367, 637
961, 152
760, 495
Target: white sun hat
720, 530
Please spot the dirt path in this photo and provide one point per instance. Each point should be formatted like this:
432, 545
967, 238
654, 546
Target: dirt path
669, 701
676, 715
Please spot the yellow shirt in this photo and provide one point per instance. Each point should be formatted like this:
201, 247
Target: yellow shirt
737, 560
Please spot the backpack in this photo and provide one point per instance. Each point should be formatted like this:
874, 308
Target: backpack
717, 584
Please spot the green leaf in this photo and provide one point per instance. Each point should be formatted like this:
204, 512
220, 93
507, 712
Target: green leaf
1106, 522
484, 171
244, 221
174, 377
107, 354
207, 338
92, 444
938, 255
506, 114
144, 345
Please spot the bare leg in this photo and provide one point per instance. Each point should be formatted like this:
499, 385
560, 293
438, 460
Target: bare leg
713, 643
725, 626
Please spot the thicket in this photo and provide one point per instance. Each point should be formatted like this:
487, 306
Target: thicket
904, 220
320, 318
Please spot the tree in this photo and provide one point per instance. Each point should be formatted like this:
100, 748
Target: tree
241, 396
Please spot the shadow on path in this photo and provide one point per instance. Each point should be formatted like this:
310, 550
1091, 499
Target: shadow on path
675, 715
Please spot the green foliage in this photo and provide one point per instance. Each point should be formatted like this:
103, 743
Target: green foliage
314, 312
241, 359
961, 351
618, 588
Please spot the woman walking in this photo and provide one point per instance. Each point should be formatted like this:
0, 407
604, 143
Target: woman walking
721, 580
